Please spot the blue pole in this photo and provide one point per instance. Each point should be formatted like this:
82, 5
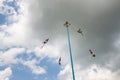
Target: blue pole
73, 75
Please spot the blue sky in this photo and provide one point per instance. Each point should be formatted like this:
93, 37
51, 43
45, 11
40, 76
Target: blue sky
2, 19
25, 24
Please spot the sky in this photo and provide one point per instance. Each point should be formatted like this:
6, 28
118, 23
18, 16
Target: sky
25, 24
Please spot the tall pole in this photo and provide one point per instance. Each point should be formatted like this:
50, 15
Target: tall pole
70, 50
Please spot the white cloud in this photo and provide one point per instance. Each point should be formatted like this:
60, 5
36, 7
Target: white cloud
6, 74
93, 72
10, 56
51, 51
5, 9
19, 32
65, 74
32, 64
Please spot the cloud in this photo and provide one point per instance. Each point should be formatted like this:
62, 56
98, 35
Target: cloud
98, 19
6, 8
65, 73
9, 56
88, 73
6, 74
51, 50
32, 64
15, 55
9, 10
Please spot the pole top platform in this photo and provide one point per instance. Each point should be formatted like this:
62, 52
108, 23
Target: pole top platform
67, 24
